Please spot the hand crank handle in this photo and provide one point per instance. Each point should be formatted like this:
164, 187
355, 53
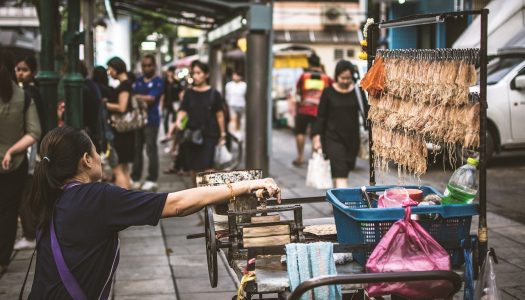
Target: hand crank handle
262, 193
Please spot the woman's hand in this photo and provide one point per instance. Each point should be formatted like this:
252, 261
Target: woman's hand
222, 140
267, 184
6, 162
316, 142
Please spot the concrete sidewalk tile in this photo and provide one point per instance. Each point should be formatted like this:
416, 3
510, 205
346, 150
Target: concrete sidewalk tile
143, 261
510, 280
517, 261
200, 271
144, 287
144, 246
148, 297
513, 292
142, 273
202, 284
208, 296
141, 231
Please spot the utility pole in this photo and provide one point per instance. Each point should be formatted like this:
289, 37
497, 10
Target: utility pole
88, 14
48, 77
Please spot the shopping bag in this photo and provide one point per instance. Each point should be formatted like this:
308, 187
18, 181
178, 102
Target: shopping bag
486, 287
408, 247
222, 155
319, 174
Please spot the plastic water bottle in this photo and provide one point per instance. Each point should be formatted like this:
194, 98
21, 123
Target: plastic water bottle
462, 186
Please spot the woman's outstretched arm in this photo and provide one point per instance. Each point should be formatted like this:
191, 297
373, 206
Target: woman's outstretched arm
186, 202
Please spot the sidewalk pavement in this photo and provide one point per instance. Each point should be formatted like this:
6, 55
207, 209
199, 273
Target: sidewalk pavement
160, 263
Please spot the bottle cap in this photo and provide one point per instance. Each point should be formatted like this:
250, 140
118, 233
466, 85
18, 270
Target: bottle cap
472, 161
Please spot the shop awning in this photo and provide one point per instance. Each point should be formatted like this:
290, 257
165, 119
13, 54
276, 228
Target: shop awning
316, 37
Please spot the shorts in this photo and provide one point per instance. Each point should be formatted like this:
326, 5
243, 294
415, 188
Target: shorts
302, 122
238, 111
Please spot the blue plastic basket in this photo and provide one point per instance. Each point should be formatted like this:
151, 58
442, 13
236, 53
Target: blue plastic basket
357, 224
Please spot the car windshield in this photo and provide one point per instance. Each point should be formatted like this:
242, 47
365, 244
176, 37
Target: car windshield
498, 67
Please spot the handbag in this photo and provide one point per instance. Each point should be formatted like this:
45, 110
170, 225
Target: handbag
222, 155
408, 247
319, 174
135, 118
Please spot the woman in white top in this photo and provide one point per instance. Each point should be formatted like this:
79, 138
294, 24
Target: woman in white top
236, 98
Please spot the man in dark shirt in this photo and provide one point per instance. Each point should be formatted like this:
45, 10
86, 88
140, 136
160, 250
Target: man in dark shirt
148, 89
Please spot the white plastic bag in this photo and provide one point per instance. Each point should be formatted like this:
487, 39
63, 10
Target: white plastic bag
486, 287
319, 173
222, 155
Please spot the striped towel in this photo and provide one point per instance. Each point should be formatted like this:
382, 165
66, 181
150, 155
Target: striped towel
306, 261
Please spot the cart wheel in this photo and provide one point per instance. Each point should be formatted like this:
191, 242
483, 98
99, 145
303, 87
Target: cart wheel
211, 245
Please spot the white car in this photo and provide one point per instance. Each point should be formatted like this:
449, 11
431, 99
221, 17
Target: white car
506, 101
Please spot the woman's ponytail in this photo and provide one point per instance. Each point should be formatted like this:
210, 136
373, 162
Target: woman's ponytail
60, 150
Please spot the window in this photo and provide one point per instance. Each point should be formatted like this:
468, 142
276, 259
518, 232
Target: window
350, 53
338, 54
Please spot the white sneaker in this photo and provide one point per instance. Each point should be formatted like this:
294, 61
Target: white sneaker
24, 243
149, 186
135, 185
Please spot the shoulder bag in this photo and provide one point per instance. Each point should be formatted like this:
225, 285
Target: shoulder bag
134, 118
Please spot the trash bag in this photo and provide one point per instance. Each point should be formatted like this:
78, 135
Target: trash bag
319, 174
222, 155
408, 247
486, 287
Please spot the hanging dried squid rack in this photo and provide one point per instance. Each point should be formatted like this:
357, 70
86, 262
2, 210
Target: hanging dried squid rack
456, 98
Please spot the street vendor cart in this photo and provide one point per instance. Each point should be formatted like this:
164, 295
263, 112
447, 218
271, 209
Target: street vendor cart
250, 233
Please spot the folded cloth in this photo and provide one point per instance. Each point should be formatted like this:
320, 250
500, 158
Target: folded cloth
306, 261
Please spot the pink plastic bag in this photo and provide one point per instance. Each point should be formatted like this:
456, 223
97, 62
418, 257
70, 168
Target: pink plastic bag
408, 247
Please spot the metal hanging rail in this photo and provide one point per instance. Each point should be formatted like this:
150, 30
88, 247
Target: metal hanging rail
423, 19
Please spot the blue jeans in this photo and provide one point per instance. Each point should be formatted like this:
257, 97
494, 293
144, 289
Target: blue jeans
147, 135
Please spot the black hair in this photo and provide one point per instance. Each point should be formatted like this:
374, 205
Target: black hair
199, 64
345, 65
6, 75
171, 69
30, 61
151, 57
100, 75
314, 60
118, 64
61, 150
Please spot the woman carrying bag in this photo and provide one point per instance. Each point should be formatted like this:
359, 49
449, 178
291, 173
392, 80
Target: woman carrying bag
336, 130
205, 128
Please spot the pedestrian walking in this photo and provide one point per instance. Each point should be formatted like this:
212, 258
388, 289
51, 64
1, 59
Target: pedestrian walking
19, 129
148, 90
235, 94
309, 89
336, 130
25, 70
77, 256
124, 141
203, 107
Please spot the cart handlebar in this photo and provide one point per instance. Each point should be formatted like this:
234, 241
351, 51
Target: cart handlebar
309, 284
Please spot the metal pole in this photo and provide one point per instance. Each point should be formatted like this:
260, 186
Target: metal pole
88, 13
482, 229
47, 77
73, 81
373, 31
215, 67
258, 68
